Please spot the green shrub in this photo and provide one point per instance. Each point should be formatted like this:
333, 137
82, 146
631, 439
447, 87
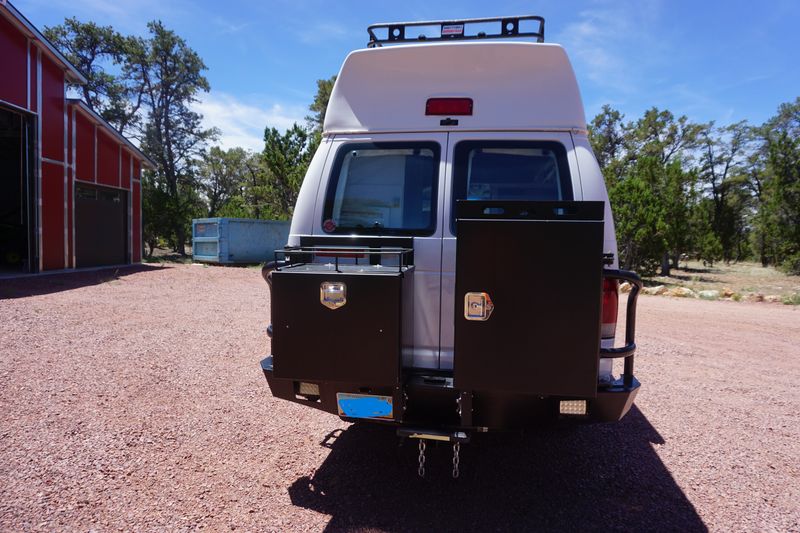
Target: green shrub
792, 299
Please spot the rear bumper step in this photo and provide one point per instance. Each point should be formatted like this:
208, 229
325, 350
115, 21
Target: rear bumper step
452, 411
433, 434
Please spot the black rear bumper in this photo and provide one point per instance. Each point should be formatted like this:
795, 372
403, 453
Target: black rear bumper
431, 401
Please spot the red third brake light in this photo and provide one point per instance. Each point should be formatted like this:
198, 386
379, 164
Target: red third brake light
608, 327
448, 106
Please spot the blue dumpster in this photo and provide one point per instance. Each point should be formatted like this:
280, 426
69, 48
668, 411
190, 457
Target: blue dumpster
237, 240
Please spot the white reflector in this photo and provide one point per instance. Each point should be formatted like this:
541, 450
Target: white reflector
572, 407
308, 389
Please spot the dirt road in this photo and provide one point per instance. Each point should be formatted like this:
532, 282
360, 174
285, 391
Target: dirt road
137, 403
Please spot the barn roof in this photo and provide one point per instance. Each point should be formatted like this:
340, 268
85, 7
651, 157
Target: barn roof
94, 117
26, 27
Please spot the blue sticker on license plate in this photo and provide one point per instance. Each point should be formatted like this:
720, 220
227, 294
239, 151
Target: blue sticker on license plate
364, 405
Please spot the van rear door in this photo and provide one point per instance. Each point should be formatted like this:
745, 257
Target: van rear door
389, 186
498, 166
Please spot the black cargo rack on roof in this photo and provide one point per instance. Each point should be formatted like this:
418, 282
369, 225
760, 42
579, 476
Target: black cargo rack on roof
454, 30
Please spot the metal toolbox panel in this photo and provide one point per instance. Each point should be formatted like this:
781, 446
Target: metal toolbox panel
350, 330
540, 263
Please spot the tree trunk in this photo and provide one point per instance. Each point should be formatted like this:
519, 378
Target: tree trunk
628, 263
665, 264
180, 240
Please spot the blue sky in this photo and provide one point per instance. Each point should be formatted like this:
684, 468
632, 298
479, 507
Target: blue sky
721, 61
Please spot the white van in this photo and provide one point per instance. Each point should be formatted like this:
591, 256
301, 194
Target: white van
452, 264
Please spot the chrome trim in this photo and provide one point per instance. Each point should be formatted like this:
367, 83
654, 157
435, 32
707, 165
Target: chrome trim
95, 153
113, 187
74, 164
130, 211
40, 244
478, 306
14, 107
28, 60
66, 179
333, 294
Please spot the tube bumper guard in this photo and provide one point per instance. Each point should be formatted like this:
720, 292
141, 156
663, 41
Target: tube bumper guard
627, 351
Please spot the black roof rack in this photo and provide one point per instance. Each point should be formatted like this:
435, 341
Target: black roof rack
454, 30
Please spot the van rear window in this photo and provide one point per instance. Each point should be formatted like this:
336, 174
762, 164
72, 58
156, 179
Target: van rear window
383, 188
510, 170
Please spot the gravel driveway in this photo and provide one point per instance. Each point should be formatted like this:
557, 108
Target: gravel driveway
137, 403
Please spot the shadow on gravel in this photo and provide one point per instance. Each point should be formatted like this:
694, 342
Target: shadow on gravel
595, 477
50, 283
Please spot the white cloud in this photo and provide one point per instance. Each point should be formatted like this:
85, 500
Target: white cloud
321, 32
604, 41
227, 27
127, 17
242, 124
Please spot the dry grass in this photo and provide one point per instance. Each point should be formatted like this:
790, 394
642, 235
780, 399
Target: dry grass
744, 280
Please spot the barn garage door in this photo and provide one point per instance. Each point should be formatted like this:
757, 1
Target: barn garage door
100, 226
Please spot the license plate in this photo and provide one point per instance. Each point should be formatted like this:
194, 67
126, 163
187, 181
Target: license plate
364, 405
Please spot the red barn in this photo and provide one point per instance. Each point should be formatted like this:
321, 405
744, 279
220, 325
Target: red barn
70, 189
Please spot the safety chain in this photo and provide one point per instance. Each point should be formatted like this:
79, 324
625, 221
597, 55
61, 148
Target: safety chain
456, 449
421, 469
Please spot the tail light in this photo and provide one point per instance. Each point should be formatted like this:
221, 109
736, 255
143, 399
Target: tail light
608, 326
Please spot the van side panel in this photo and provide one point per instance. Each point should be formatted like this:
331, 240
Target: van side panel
303, 217
594, 188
